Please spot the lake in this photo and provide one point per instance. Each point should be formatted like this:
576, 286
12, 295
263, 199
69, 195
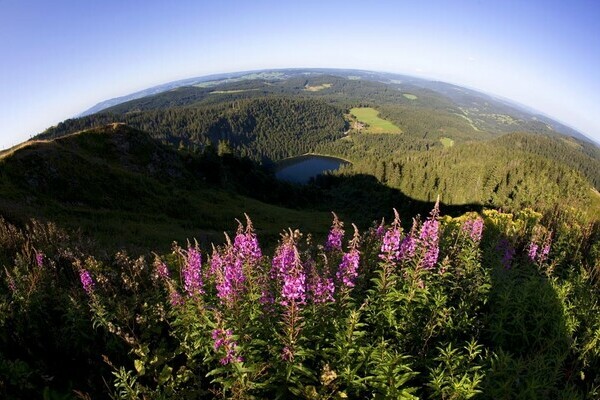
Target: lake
300, 169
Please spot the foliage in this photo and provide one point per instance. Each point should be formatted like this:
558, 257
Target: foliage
480, 306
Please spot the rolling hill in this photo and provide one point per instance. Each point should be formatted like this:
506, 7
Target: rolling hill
440, 132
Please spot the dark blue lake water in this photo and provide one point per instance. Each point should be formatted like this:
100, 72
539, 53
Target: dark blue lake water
301, 169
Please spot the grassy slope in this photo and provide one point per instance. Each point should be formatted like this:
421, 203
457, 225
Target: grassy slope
121, 187
370, 116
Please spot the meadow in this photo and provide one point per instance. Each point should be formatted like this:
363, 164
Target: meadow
375, 124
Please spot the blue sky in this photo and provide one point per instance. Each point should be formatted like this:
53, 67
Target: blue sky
61, 57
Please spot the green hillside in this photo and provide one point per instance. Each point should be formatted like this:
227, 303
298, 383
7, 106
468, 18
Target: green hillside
123, 188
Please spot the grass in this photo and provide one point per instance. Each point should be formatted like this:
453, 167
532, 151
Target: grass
409, 96
594, 210
375, 124
231, 91
447, 142
309, 88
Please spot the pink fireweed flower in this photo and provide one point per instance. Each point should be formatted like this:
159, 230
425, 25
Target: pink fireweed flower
161, 270
86, 281
348, 269
245, 243
192, 272
543, 254
223, 340
532, 252
321, 289
39, 259
286, 266
230, 283
175, 299
319, 286
380, 231
336, 234
474, 229
287, 354
390, 247
429, 240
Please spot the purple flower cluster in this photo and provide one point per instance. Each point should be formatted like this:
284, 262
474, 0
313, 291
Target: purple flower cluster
287, 267
231, 278
336, 234
348, 268
162, 271
223, 339
390, 247
380, 231
227, 265
429, 242
407, 248
86, 281
192, 272
532, 251
474, 229
321, 289
175, 298
246, 245
538, 249
39, 259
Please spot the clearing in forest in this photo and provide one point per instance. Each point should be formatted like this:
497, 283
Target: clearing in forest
447, 142
374, 124
309, 88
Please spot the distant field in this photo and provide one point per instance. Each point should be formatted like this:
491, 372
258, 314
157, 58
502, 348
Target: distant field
595, 204
231, 91
317, 88
447, 142
409, 96
370, 116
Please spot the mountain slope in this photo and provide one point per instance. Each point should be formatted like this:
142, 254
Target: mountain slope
124, 188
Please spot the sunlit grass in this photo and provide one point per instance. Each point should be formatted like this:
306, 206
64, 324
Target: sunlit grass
370, 116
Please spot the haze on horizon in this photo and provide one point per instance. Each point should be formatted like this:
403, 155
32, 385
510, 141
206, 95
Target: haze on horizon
60, 58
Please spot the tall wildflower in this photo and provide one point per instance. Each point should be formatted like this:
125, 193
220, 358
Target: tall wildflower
86, 281
390, 247
380, 231
286, 266
348, 268
543, 254
429, 239
161, 271
39, 259
320, 286
336, 234
192, 272
223, 342
408, 245
245, 243
539, 246
473, 228
227, 265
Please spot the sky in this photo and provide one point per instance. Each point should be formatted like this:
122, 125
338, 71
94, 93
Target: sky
60, 57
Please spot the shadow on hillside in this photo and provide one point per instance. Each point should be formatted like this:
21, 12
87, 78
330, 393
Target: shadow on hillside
526, 328
363, 199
